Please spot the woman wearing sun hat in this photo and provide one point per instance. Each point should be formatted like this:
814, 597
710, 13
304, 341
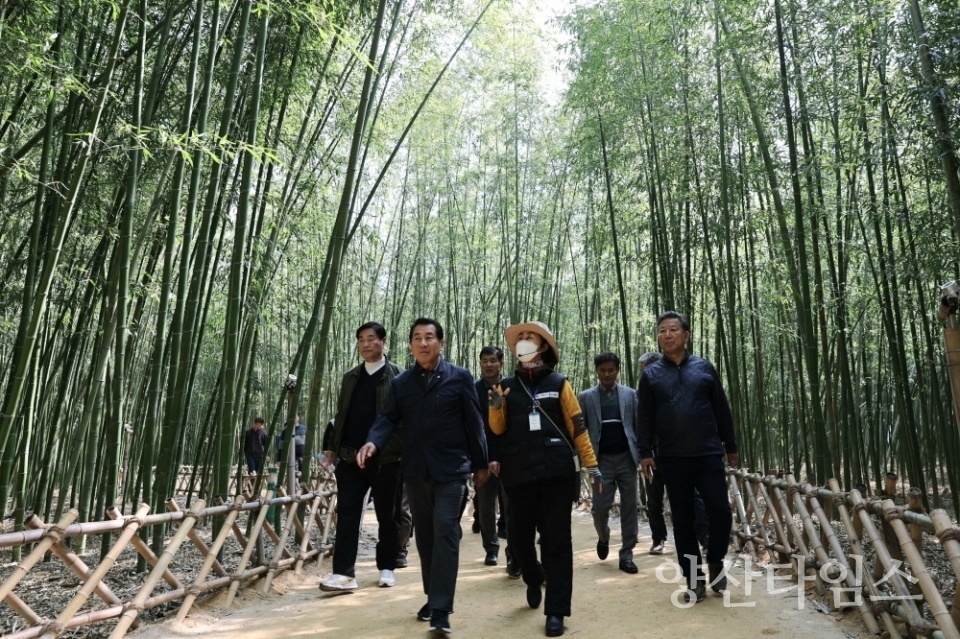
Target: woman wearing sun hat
543, 440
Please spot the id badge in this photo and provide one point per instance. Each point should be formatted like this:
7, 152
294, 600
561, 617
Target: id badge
534, 418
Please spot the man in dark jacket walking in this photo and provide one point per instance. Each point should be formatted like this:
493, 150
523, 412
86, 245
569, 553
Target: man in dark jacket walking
443, 441
362, 396
491, 493
253, 442
682, 406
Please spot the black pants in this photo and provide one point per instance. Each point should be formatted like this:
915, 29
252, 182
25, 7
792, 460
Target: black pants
485, 511
545, 502
501, 500
658, 526
435, 507
404, 521
684, 477
352, 485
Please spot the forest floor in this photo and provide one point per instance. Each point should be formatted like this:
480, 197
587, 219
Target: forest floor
607, 602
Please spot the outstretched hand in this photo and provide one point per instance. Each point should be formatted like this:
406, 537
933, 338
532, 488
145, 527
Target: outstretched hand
496, 397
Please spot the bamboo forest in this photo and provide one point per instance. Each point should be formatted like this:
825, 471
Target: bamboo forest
200, 198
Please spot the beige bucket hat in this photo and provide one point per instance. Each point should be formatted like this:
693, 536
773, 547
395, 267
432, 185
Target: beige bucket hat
511, 335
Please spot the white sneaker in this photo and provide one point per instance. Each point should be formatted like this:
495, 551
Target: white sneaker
338, 582
386, 579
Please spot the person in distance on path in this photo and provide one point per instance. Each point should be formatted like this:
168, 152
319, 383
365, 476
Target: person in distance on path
541, 430
254, 441
363, 393
682, 407
609, 409
443, 441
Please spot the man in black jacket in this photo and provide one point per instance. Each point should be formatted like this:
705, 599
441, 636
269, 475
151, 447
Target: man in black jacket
443, 441
656, 490
491, 493
682, 406
254, 440
362, 396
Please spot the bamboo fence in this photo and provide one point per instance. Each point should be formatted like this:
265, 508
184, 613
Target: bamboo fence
793, 524
316, 501
859, 553
880, 569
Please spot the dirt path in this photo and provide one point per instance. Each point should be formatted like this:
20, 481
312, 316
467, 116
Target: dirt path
607, 603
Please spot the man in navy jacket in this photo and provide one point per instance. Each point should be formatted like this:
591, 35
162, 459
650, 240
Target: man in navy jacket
443, 442
682, 406
486, 500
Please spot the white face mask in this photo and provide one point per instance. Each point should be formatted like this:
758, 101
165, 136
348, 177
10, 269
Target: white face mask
526, 350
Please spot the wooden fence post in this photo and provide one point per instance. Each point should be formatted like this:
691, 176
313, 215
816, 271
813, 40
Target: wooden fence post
74, 563
828, 533
210, 560
771, 512
734, 488
146, 552
937, 608
853, 538
132, 609
248, 549
755, 509
274, 565
908, 611
130, 528
198, 541
52, 535
950, 540
305, 539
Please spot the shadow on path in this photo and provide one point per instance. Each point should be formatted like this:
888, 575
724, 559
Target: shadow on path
607, 603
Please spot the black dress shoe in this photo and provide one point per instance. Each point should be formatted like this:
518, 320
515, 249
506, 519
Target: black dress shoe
554, 627
603, 549
424, 613
627, 566
534, 595
401, 561
491, 558
699, 593
440, 621
718, 577
513, 570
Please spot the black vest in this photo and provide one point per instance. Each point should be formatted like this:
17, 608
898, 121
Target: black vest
525, 455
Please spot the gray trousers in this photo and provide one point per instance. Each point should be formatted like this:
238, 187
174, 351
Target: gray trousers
435, 507
619, 472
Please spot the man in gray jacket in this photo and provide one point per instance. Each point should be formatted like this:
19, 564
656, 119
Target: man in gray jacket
608, 409
362, 396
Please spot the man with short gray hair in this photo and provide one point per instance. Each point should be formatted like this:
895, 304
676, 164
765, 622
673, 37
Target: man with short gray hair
683, 410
